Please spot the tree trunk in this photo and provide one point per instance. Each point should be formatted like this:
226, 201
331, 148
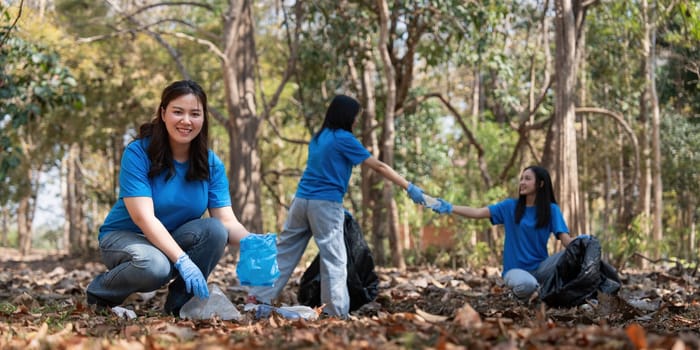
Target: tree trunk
388, 134
645, 181
649, 45
475, 111
4, 226
24, 235
370, 192
243, 123
75, 228
565, 169
693, 234
583, 97
66, 200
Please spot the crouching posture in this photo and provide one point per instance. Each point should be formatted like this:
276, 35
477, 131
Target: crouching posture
529, 221
155, 232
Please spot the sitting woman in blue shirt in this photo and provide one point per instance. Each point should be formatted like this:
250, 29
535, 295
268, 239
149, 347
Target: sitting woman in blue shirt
529, 221
155, 232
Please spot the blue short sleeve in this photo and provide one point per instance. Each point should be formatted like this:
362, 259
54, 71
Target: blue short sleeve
502, 211
133, 175
558, 224
332, 155
351, 148
219, 195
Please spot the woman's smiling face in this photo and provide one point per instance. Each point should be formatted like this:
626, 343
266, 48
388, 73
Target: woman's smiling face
183, 118
528, 183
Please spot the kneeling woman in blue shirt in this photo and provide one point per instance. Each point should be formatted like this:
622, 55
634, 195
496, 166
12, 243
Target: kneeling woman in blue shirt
317, 208
155, 232
529, 221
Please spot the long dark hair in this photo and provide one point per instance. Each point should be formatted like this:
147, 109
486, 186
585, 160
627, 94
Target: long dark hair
544, 196
159, 151
341, 114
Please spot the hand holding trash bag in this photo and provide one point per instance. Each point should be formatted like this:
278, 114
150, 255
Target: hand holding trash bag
257, 265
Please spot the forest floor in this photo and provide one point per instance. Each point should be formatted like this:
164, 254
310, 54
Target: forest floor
42, 306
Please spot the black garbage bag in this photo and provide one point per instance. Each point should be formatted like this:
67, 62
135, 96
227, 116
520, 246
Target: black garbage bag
362, 280
579, 275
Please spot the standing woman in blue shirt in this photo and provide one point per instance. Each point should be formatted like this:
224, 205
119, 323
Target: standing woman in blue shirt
529, 221
155, 232
317, 208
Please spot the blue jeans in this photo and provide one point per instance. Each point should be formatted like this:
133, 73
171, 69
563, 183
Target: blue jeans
324, 221
136, 265
524, 283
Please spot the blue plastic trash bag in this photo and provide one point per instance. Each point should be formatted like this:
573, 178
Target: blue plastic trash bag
257, 265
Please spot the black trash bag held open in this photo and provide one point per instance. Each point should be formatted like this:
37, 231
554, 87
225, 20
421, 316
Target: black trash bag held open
579, 275
362, 280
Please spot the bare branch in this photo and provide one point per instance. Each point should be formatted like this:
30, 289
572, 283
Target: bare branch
218, 115
14, 23
91, 39
588, 3
212, 47
458, 117
173, 3
171, 50
173, 53
277, 173
284, 172
289, 71
620, 120
277, 132
143, 28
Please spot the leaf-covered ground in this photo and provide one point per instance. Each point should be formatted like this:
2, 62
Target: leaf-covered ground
42, 305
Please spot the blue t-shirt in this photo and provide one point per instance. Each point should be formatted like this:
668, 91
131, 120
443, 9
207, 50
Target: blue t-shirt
331, 158
175, 201
525, 246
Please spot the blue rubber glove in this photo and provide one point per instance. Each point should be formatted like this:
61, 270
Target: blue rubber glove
415, 193
194, 280
445, 207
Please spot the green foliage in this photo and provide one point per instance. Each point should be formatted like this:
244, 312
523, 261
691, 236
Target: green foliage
615, 75
481, 254
7, 309
421, 143
35, 83
681, 162
679, 77
621, 246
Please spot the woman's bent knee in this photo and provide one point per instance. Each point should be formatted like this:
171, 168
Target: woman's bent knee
217, 232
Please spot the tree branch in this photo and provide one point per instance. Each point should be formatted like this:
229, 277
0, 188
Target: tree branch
212, 47
12, 26
277, 132
218, 116
620, 120
588, 3
472, 140
293, 43
173, 3
171, 50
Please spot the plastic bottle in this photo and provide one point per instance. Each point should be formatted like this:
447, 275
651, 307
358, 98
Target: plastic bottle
216, 305
431, 202
289, 312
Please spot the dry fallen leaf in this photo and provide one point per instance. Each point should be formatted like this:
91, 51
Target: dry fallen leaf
467, 317
51, 313
637, 336
430, 317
